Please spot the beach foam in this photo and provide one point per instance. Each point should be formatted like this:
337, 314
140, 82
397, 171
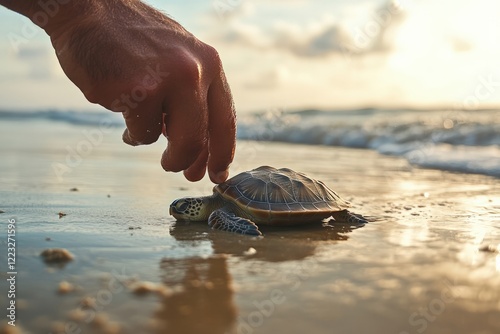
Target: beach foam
456, 140
465, 141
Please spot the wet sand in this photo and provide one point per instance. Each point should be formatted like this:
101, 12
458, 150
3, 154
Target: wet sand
428, 262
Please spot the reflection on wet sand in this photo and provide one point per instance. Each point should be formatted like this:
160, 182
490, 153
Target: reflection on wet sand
277, 245
202, 298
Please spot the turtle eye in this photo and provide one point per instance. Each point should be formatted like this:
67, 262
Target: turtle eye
182, 206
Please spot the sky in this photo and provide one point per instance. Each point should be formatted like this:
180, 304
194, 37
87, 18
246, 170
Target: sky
295, 54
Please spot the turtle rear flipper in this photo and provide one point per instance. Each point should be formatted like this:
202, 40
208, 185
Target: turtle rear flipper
345, 216
227, 221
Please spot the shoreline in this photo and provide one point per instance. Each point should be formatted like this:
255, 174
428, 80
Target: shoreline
418, 266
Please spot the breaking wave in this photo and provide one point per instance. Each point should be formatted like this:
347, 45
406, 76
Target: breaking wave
464, 141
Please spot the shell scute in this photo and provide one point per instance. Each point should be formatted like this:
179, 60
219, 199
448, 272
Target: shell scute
253, 189
281, 207
278, 194
304, 193
280, 191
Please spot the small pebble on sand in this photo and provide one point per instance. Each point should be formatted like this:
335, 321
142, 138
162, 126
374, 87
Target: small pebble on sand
143, 288
57, 255
73, 189
65, 287
490, 249
105, 325
88, 302
250, 251
8, 329
77, 315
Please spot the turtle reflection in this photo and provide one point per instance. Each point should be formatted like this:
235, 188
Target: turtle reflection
279, 244
202, 298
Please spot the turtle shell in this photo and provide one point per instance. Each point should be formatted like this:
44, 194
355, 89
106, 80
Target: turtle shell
273, 196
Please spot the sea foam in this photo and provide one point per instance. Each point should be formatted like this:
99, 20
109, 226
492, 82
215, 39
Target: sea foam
456, 140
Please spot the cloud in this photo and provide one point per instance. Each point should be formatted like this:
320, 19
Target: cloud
225, 10
332, 39
324, 38
38, 60
270, 79
31, 52
460, 45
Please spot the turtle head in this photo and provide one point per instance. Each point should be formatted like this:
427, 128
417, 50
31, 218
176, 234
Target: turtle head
190, 209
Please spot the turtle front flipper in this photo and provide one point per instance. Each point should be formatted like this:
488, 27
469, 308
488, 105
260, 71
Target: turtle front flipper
228, 221
345, 216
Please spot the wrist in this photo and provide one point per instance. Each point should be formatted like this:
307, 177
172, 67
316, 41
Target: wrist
54, 16
51, 14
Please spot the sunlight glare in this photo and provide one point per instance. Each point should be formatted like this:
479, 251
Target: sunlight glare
469, 27
410, 235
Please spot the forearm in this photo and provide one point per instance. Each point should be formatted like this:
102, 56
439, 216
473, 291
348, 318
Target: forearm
53, 15
21, 6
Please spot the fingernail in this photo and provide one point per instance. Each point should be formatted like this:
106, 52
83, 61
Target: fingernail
163, 162
221, 176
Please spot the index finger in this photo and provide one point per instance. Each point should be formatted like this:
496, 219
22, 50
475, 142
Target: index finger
186, 129
144, 123
222, 129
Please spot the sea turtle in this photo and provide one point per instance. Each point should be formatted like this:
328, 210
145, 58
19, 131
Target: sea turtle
265, 196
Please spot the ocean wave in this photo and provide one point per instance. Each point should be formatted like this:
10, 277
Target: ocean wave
464, 141
465, 159
71, 117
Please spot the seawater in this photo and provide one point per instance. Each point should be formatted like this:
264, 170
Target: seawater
455, 140
464, 141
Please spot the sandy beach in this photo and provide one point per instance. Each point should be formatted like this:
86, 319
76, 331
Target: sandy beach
429, 262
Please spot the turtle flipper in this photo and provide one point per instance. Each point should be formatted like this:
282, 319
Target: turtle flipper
345, 216
227, 221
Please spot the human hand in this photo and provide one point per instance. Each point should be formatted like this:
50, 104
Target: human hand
130, 58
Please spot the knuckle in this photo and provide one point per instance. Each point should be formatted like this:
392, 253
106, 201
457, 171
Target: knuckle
191, 147
188, 70
213, 59
213, 54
